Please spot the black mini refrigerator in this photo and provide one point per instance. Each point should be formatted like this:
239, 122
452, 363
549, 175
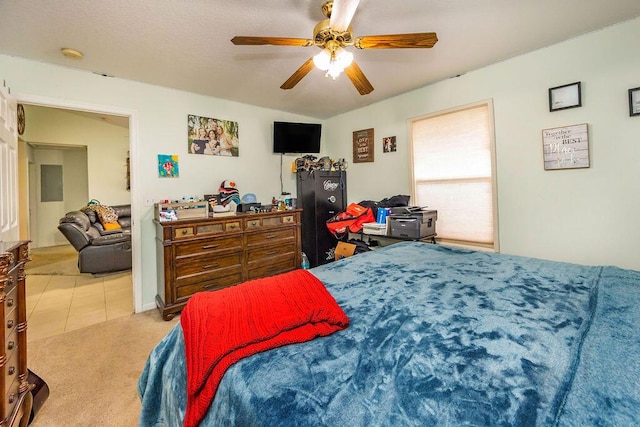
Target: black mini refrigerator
321, 195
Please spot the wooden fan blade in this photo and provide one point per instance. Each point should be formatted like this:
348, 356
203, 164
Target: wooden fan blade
392, 41
358, 79
275, 41
298, 75
342, 13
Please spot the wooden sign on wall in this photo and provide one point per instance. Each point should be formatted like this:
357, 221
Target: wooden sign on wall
363, 146
566, 147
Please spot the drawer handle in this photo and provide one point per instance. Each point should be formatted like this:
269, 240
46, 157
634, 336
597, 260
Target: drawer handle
210, 266
12, 370
10, 302
210, 246
272, 236
272, 252
12, 398
10, 323
11, 345
232, 227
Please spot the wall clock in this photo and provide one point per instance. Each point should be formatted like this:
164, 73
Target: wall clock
21, 119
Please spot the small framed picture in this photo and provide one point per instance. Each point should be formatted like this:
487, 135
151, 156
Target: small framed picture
565, 96
389, 144
634, 101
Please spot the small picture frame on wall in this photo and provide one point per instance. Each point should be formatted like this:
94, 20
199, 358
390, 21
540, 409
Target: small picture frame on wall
634, 101
565, 96
389, 144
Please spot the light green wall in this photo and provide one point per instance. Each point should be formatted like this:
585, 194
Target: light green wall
586, 216
159, 126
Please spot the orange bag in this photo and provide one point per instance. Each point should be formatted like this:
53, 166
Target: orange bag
350, 220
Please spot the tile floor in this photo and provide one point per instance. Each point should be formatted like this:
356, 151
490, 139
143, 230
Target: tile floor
60, 303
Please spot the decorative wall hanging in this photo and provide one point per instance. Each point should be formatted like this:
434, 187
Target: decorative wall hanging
168, 166
566, 147
363, 146
214, 137
389, 144
565, 96
634, 101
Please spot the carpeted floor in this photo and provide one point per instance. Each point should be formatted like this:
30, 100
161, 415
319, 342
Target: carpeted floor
53, 260
92, 373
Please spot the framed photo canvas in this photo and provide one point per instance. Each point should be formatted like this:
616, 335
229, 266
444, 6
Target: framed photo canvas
566, 147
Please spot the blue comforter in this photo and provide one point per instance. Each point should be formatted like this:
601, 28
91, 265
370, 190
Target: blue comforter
438, 336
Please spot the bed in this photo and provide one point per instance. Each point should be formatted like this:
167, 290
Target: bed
437, 336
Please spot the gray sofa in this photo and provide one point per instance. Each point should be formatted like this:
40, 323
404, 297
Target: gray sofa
99, 250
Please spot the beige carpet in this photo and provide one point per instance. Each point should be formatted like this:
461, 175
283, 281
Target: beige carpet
93, 372
56, 260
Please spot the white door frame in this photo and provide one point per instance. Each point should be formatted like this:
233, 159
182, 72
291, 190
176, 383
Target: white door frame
9, 217
133, 154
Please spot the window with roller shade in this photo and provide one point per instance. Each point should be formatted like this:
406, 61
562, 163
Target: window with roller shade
453, 173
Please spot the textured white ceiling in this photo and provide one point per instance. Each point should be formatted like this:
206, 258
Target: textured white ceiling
186, 44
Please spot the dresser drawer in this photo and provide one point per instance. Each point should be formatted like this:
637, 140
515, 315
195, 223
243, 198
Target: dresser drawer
253, 223
11, 397
278, 265
10, 319
10, 299
261, 253
208, 245
207, 262
268, 236
11, 342
10, 370
207, 282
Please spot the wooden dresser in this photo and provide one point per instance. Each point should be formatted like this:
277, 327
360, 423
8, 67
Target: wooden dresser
212, 253
15, 390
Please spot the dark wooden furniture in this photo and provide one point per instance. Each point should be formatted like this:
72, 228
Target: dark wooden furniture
207, 254
15, 390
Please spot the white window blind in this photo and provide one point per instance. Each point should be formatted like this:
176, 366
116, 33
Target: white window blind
453, 172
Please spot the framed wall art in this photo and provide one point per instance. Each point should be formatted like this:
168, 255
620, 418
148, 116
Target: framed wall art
566, 147
168, 166
389, 144
634, 101
214, 137
565, 96
363, 146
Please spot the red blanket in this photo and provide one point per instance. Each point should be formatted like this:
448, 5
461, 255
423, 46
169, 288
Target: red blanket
222, 327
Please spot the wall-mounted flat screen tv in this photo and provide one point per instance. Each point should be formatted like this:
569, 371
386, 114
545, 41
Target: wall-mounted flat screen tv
296, 137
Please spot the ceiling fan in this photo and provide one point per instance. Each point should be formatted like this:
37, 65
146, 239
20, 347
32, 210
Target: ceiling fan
333, 35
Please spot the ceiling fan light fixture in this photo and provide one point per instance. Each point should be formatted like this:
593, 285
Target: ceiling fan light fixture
322, 60
333, 62
343, 58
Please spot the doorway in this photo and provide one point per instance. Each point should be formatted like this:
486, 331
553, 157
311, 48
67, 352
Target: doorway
102, 175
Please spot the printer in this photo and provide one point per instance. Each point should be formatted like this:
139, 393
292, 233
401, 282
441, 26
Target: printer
412, 222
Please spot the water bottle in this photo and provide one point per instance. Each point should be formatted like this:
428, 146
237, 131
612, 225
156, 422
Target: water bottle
305, 261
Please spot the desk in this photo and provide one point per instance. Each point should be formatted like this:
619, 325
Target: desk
389, 240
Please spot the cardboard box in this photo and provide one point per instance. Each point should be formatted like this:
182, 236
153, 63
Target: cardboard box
344, 250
